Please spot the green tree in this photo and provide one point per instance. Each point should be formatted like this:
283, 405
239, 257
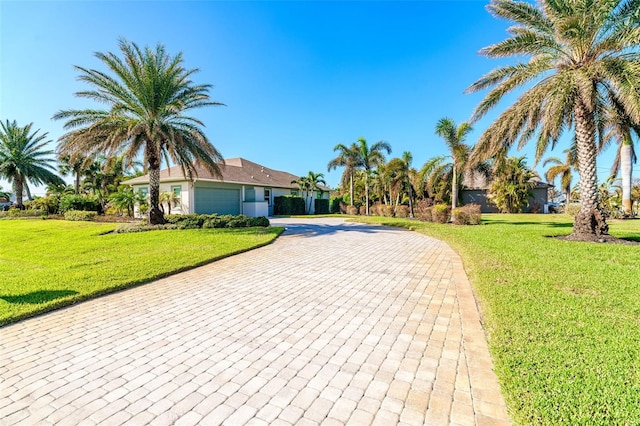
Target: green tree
148, 94
347, 158
402, 172
512, 184
367, 159
23, 158
563, 169
581, 56
455, 136
125, 199
310, 184
170, 199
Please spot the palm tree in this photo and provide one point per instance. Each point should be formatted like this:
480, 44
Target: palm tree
310, 184
347, 158
367, 159
512, 185
402, 174
583, 56
170, 198
562, 169
620, 128
148, 94
23, 158
68, 166
455, 136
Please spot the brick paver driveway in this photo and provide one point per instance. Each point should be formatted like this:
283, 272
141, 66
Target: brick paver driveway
334, 323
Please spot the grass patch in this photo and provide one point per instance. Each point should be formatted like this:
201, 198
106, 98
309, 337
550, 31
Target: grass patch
563, 317
48, 264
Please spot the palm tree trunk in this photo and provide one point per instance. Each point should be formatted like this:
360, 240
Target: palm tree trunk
366, 191
18, 189
351, 189
410, 201
454, 188
76, 183
589, 222
26, 187
626, 171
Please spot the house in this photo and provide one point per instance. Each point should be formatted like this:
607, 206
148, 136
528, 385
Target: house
245, 188
539, 203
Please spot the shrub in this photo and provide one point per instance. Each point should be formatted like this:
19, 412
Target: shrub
259, 221
16, 213
141, 227
78, 202
79, 215
195, 221
572, 209
288, 205
467, 215
335, 205
49, 204
402, 211
343, 208
362, 210
441, 213
352, 210
422, 210
321, 206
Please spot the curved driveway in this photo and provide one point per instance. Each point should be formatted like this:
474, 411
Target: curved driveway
334, 323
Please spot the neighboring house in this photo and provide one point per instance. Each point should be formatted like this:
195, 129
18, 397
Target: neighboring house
245, 188
539, 203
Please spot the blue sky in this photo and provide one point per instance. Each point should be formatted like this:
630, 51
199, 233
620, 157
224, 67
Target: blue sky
297, 77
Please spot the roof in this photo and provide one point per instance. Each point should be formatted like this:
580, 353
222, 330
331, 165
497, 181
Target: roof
234, 170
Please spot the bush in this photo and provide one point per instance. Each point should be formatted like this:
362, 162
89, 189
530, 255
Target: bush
141, 227
288, 205
196, 221
352, 210
259, 221
402, 211
79, 215
467, 215
441, 213
335, 205
572, 209
422, 210
321, 206
362, 210
16, 213
49, 204
78, 202
343, 208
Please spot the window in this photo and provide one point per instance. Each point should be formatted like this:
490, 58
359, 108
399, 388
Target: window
144, 191
177, 192
267, 196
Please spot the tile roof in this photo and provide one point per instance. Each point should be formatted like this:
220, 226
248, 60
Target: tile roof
235, 170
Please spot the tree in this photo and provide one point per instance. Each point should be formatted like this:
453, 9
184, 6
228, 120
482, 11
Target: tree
511, 187
68, 166
125, 199
401, 172
148, 94
170, 199
455, 136
23, 158
620, 127
309, 185
562, 169
583, 56
347, 158
367, 159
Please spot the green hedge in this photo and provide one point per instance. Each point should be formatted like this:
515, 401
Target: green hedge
322, 206
79, 215
79, 202
195, 221
288, 205
334, 204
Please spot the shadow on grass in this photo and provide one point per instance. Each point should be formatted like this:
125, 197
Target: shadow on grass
549, 224
37, 297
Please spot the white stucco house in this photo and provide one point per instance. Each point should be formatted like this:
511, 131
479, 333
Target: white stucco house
245, 188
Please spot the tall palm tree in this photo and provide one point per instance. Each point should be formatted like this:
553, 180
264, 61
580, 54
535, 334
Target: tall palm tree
313, 181
347, 158
620, 128
23, 158
367, 159
147, 93
563, 169
455, 136
583, 56
68, 166
402, 176
512, 185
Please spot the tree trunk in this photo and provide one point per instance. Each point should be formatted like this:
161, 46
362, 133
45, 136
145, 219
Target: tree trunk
590, 222
351, 189
454, 188
18, 189
76, 183
28, 190
366, 191
153, 159
410, 201
626, 168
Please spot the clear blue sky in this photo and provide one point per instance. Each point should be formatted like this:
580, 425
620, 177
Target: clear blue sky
297, 77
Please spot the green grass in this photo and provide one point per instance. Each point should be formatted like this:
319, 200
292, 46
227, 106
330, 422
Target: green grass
563, 317
52, 263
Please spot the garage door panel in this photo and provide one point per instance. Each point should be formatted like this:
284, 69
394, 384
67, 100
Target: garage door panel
217, 200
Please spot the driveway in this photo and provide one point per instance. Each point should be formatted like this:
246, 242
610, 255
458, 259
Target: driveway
334, 323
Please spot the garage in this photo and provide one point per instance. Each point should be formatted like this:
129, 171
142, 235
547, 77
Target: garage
217, 200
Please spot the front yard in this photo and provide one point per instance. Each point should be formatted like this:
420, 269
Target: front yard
46, 264
563, 317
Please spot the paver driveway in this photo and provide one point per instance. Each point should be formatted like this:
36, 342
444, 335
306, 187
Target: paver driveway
334, 323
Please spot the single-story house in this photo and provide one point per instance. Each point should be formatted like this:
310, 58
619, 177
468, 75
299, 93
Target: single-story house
245, 188
539, 203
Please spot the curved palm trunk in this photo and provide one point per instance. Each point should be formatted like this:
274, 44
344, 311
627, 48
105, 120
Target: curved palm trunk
351, 189
626, 172
589, 222
28, 191
366, 191
410, 201
454, 190
18, 189
155, 214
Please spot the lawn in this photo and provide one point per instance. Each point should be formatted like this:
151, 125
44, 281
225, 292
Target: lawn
46, 264
563, 317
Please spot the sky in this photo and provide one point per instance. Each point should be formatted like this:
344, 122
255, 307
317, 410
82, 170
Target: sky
296, 77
